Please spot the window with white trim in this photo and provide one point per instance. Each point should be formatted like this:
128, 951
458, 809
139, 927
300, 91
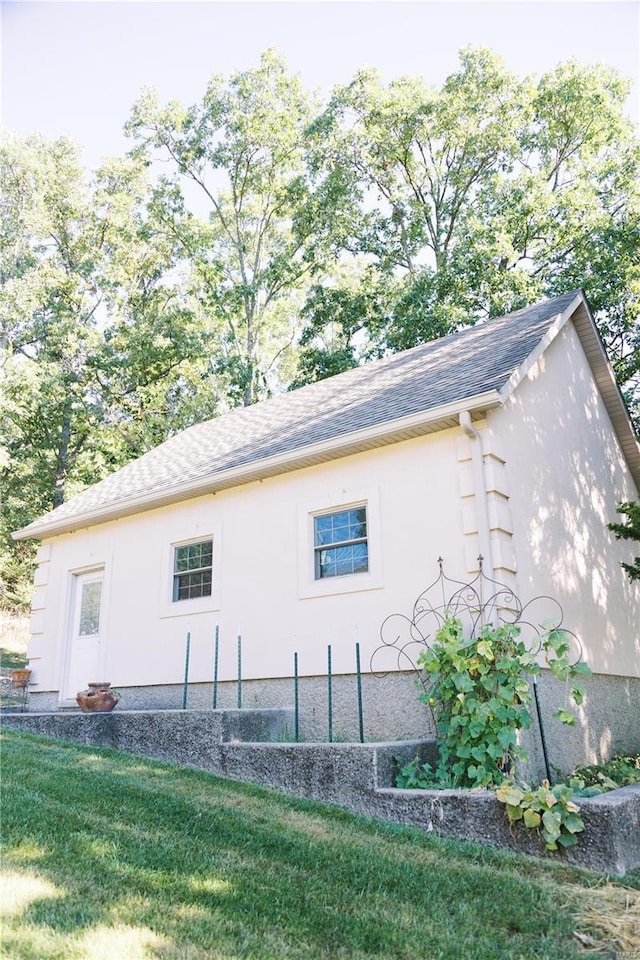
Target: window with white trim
192, 570
341, 545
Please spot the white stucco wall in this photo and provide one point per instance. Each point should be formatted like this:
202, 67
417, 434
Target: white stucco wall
263, 548
566, 475
554, 472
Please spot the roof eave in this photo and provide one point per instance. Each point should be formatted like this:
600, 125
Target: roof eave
392, 431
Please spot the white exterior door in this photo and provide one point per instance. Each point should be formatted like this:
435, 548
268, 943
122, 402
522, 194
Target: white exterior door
83, 661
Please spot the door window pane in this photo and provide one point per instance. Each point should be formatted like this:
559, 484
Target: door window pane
90, 608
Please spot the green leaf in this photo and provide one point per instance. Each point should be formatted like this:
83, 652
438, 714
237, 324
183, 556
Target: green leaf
573, 823
510, 793
506, 737
552, 821
581, 669
531, 819
567, 840
485, 650
564, 716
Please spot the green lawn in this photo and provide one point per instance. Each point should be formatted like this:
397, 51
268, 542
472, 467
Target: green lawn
111, 857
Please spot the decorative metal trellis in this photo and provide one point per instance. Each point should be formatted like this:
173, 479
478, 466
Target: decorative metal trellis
479, 602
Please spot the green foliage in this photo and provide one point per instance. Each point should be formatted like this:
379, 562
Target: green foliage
480, 694
479, 691
246, 242
629, 530
488, 194
480, 697
550, 810
11, 659
96, 341
415, 775
620, 771
47, 315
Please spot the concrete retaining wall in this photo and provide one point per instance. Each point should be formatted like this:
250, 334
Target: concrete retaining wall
358, 777
606, 722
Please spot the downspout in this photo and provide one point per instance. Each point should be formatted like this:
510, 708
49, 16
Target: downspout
480, 490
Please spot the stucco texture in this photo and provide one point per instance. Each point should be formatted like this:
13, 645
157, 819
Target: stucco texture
566, 476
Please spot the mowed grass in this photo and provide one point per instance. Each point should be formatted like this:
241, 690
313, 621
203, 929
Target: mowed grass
106, 855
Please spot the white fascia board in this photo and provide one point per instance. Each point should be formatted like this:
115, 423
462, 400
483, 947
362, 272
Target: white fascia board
259, 469
521, 372
604, 376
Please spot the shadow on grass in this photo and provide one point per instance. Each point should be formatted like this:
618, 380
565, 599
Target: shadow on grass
186, 865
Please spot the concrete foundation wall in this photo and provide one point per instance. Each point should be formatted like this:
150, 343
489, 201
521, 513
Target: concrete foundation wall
358, 777
391, 708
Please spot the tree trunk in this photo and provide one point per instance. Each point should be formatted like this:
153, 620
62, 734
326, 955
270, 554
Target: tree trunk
62, 463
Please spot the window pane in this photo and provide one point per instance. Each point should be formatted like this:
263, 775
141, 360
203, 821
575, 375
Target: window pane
323, 536
344, 565
342, 561
340, 527
193, 556
193, 566
341, 534
358, 524
90, 608
336, 554
360, 558
189, 585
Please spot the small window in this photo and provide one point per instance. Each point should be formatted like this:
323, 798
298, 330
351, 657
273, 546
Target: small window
340, 543
193, 570
90, 608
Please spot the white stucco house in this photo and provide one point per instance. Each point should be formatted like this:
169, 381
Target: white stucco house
307, 519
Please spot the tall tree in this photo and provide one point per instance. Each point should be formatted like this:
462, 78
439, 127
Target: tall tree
629, 530
154, 369
236, 202
103, 352
486, 194
48, 307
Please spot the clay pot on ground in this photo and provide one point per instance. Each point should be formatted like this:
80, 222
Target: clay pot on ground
98, 698
20, 678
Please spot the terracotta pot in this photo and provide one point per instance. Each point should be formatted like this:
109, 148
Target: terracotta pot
98, 698
20, 678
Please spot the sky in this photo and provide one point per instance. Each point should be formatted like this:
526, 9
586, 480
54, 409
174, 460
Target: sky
76, 68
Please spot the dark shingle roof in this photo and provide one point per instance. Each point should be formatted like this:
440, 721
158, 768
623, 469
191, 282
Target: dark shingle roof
474, 361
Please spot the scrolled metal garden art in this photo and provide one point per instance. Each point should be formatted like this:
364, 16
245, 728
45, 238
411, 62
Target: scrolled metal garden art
475, 648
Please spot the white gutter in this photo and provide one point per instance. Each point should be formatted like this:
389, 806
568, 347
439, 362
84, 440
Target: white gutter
480, 489
379, 434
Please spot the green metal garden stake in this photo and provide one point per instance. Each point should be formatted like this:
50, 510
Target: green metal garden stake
186, 673
239, 672
329, 693
215, 669
296, 704
359, 676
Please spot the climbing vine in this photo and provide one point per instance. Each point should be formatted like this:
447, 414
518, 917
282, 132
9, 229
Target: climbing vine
478, 688
479, 691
